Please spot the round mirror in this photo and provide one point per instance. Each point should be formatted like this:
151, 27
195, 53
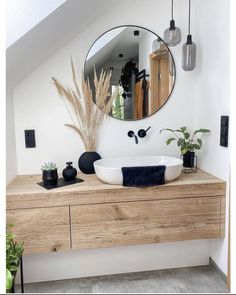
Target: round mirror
142, 67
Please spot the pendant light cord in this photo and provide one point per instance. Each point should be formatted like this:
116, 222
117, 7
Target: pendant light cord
172, 9
189, 9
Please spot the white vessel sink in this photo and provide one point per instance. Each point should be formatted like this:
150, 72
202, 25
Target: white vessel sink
109, 169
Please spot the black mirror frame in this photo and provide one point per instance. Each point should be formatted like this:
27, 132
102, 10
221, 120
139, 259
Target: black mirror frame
136, 26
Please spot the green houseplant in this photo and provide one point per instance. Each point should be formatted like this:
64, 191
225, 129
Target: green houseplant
186, 142
14, 251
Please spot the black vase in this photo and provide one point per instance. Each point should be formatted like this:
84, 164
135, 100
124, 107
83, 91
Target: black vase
50, 177
86, 161
69, 173
188, 159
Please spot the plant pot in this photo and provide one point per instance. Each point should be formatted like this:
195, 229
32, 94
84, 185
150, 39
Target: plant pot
86, 161
189, 159
50, 177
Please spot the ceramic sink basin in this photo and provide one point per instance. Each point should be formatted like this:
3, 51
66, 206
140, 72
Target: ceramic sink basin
109, 169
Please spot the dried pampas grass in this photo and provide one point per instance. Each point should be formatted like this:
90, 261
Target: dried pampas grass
87, 117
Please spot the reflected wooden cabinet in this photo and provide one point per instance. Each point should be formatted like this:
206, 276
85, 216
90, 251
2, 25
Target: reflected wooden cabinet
161, 78
94, 215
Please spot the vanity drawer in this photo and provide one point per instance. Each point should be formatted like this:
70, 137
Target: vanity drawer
130, 223
42, 230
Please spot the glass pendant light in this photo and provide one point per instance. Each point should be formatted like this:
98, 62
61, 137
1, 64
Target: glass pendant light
172, 35
189, 49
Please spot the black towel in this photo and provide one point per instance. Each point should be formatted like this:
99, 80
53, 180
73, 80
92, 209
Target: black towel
143, 176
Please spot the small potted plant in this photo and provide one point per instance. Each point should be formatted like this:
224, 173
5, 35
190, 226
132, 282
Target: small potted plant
50, 175
14, 252
187, 143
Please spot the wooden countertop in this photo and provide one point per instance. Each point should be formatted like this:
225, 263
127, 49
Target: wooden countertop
24, 192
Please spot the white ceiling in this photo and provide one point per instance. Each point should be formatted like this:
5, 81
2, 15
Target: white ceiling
45, 39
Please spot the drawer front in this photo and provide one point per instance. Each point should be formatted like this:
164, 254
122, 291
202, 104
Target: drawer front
42, 230
131, 223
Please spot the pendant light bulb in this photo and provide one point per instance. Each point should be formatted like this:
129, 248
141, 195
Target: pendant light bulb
172, 35
189, 50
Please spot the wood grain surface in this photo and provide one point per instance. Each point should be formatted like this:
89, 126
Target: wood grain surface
94, 214
42, 230
24, 192
118, 224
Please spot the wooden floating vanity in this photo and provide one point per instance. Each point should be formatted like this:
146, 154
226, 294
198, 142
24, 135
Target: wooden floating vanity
93, 214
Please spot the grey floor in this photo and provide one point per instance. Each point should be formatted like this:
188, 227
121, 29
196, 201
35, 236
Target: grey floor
202, 279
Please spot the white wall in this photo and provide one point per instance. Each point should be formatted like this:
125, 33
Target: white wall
38, 106
11, 161
212, 94
145, 46
94, 262
23, 15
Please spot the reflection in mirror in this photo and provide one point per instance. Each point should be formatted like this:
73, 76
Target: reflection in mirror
143, 70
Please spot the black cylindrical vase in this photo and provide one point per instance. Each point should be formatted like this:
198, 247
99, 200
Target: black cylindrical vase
86, 161
50, 177
188, 159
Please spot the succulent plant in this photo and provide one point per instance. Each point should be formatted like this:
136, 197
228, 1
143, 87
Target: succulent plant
49, 166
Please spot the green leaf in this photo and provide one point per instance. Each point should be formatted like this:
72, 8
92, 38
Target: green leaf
183, 129
180, 142
13, 268
9, 279
186, 135
170, 140
196, 146
9, 225
199, 142
166, 129
201, 131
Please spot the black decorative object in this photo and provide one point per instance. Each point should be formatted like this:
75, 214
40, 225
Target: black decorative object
224, 130
30, 139
86, 161
69, 173
189, 162
50, 177
60, 183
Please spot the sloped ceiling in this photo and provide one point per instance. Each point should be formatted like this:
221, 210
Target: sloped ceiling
50, 35
23, 15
